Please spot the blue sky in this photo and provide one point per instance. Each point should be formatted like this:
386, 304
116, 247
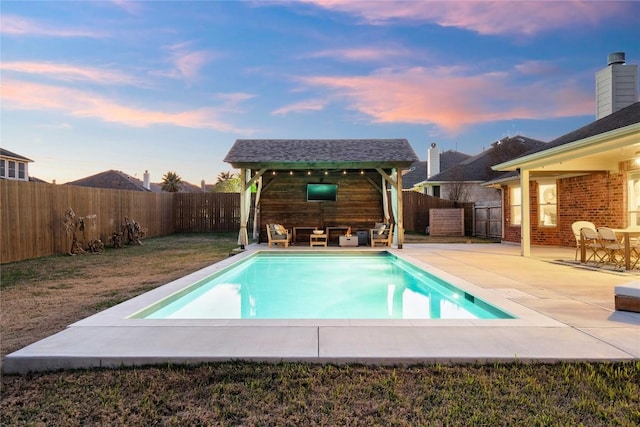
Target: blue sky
169, 86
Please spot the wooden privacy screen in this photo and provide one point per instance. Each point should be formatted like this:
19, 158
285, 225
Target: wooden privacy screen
446, 222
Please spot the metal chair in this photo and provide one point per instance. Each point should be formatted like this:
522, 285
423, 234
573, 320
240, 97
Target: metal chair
575, 227
592, 242
613, 249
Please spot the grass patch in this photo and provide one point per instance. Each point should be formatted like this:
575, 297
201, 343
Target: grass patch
243, 393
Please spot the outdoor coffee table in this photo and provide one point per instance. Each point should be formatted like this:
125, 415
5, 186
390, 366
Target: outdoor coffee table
317, 240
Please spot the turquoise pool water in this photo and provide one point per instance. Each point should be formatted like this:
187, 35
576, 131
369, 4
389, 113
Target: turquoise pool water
322, 286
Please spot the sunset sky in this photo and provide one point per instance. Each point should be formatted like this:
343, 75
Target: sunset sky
169, 86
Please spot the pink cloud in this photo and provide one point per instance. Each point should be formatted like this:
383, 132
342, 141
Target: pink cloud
484, 17
451, 100
16, 25
71, 73
361, 54
186, 63
298, 107
32, 96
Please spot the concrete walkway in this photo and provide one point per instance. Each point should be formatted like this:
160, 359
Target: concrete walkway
564, 313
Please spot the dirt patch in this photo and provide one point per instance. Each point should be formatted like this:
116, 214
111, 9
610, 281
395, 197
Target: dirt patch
43, 296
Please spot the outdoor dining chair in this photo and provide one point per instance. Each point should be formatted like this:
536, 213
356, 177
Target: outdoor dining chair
575, 227
592, 242
613, 249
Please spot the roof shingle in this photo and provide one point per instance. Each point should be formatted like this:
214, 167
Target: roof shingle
297, 151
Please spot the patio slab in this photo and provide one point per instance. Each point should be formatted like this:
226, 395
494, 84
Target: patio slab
564, 313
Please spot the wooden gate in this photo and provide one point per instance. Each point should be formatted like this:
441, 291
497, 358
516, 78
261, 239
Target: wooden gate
487, 221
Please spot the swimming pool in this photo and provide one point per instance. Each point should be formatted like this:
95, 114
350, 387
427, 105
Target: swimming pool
322, 286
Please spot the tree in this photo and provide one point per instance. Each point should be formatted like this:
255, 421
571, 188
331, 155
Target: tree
231, 185
171, 182
225, 176
458, 188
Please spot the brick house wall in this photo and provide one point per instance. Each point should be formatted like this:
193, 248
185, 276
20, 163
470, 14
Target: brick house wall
599, 197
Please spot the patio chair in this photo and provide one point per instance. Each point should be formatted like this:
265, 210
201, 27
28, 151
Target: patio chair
613, 249
593, 244
278, 235
382, 234
575, 227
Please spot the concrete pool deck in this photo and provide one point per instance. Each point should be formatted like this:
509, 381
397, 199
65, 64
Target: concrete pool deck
564, 312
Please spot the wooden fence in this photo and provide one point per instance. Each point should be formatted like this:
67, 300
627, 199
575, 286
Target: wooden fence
207, 212
32, 214
416, 208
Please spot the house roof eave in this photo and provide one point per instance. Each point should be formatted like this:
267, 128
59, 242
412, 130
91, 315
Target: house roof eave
620, 138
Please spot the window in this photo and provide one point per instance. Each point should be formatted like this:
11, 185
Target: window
547, 204
22, 170
12, 169
2, 170
633, 196
515, 208
436, 191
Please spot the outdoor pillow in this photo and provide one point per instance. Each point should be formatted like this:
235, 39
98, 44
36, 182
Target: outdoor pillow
381, 229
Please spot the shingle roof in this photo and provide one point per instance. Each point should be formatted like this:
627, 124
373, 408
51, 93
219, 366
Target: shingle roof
418, 170
110, 179
7, 153
627, 116
478, 167
319, 152
118, 180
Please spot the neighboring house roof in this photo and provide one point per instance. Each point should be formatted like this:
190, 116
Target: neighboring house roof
10, 154
118, 180
478, 167
418, 170
320, 153
34, 179
113, 179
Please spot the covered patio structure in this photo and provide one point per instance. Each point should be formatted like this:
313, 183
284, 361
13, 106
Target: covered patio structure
360, 173
592, 173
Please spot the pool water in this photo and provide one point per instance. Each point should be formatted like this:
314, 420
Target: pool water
322, 286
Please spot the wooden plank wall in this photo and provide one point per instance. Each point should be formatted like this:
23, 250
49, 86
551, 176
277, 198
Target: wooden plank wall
32, 216
284, 201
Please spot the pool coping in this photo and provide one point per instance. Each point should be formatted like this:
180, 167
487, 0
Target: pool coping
111, 339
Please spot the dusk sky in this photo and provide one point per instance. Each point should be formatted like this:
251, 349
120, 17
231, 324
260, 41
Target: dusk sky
169, 86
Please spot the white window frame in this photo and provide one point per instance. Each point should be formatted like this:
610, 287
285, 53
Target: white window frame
11, 172
22, 171
547, 203
3, 168
633, 198
515, 205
